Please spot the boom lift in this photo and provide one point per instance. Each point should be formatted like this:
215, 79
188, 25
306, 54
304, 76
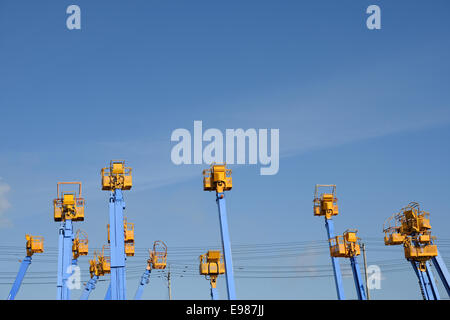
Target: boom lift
211, 265
348, 246
411, 228
218, 179
67, 207
98, 267
157, 260
325, 204
116, 178
128, 245
34, 244
80, 246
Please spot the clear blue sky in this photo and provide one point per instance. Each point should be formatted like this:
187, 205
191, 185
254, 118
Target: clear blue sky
366, 110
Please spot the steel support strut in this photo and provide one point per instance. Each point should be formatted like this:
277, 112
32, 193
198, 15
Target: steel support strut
89, 287
64, 259
116, 207
357, 278
419, 275
226, 245
426, 282
144, 280
433, 285
336, 267
442, 270
19, 278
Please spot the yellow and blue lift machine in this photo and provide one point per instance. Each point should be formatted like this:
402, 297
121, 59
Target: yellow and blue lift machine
80, 246
157, 260
116, 178
34, 244
218, 179
99, 266
411, 228
67, 207
348, 246
211, 266
128, 235
325, 204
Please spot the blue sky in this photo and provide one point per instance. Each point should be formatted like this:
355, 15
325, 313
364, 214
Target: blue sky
365, 110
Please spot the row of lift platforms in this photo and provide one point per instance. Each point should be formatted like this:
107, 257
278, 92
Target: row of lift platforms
410, 227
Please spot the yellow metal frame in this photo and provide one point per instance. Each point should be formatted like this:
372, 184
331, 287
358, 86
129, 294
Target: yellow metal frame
80, 246
392, 232
420, 253
68, 205
34, 244
411, 227
128, 228
217, 178
101, 264
158, 256
345, 246
129, 249
211, 266
93, 267
413, 220
116, 176
128, 231
211, 263
325, 204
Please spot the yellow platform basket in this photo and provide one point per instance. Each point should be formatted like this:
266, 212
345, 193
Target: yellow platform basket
80, 246
394, 239
103, 261
420, 253
158, 256
217, 178
83, 248
337, 247
345, 246
93, 268
34, 244
105, 264
116, 176
68, 205
325, 204
351, 241
57, 211
129, 231
413, 220
129, 249
212, 263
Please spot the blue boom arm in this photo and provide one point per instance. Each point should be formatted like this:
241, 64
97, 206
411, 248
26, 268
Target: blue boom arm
20, 275
442, 271
336, 267
226, 245
357, 278
89, 287
144, 280
118, 284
